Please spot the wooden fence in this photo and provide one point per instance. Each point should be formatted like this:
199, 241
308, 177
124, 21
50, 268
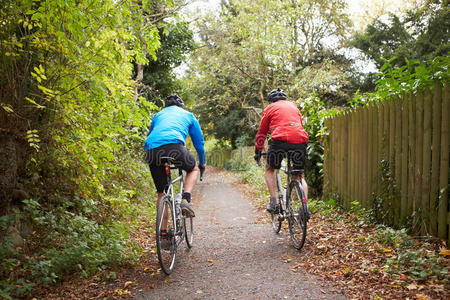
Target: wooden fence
393, 157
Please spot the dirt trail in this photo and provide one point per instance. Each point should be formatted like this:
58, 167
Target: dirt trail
234, 257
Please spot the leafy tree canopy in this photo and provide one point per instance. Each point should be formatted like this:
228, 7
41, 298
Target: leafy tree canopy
253, 47
420, 34
159, 77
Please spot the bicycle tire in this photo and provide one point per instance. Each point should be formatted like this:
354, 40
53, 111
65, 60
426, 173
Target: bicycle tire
188, 224
166, 247
276, 222
297, 211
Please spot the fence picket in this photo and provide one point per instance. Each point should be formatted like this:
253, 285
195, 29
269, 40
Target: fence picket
397, 159
391, 158
426, 158
404, 162
352, 157
411, 154
435, 156
443, 213
411, 134
419, 158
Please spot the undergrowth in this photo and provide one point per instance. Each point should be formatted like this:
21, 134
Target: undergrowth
419, 258
77, 237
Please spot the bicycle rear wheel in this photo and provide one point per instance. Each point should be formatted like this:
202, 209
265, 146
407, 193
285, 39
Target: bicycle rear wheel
188, 223
165, 235
298, 214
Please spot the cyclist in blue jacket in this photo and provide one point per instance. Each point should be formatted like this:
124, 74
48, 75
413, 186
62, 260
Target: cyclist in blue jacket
167, 137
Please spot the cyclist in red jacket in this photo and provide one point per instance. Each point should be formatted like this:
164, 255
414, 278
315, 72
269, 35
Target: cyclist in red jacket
284, 121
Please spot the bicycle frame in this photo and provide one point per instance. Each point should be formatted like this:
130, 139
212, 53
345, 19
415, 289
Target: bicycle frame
297, 217
169, 191
283, 192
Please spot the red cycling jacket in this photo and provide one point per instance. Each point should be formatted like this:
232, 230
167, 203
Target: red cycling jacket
284, 121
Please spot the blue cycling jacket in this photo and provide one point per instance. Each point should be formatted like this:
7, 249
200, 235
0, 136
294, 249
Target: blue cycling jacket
171, 126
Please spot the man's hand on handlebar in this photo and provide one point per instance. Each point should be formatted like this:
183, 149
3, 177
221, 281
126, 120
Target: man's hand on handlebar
257, 156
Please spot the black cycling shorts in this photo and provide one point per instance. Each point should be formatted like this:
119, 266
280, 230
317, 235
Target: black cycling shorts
278, 150
183, 159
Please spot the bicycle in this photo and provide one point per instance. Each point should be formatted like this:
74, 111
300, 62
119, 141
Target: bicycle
292, 204
178, 227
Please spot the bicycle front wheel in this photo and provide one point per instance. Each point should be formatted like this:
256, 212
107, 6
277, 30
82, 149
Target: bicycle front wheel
165, 235
188, 230
298, 214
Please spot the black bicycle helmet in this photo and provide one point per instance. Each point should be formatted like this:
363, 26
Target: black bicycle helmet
276, 95
174, 100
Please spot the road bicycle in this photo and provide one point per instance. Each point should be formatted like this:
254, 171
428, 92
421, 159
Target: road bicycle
178, 227
293, 205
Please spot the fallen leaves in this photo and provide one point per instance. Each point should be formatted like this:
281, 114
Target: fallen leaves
126, 284
411, 287
340, 250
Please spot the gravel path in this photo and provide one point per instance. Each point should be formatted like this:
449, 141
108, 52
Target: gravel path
234, 257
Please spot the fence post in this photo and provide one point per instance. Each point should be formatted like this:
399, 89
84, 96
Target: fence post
435, 156
358, 156
397, 158
346, 156
419, 156
351, 155
404, 162
326, 159
341, 155
381, 149
443, 214
332, 155
391, 158
412, 154
426, 158
364, 157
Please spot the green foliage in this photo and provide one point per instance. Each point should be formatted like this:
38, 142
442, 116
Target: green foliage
397, 81
252, 47
322, 207
176, 42
314, 113
417, 260
420, 34
414, 76
69, 93
77, 236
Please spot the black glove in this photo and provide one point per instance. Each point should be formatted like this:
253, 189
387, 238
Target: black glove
257, 156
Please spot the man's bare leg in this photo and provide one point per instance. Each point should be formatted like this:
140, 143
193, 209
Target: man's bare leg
191, 179
164, 219
301, 179
271, 181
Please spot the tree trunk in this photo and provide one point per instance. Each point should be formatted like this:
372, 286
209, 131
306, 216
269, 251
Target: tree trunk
8, 170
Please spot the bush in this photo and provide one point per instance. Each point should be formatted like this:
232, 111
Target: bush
314, 113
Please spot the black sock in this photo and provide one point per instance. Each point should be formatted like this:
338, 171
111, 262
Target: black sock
187, 196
